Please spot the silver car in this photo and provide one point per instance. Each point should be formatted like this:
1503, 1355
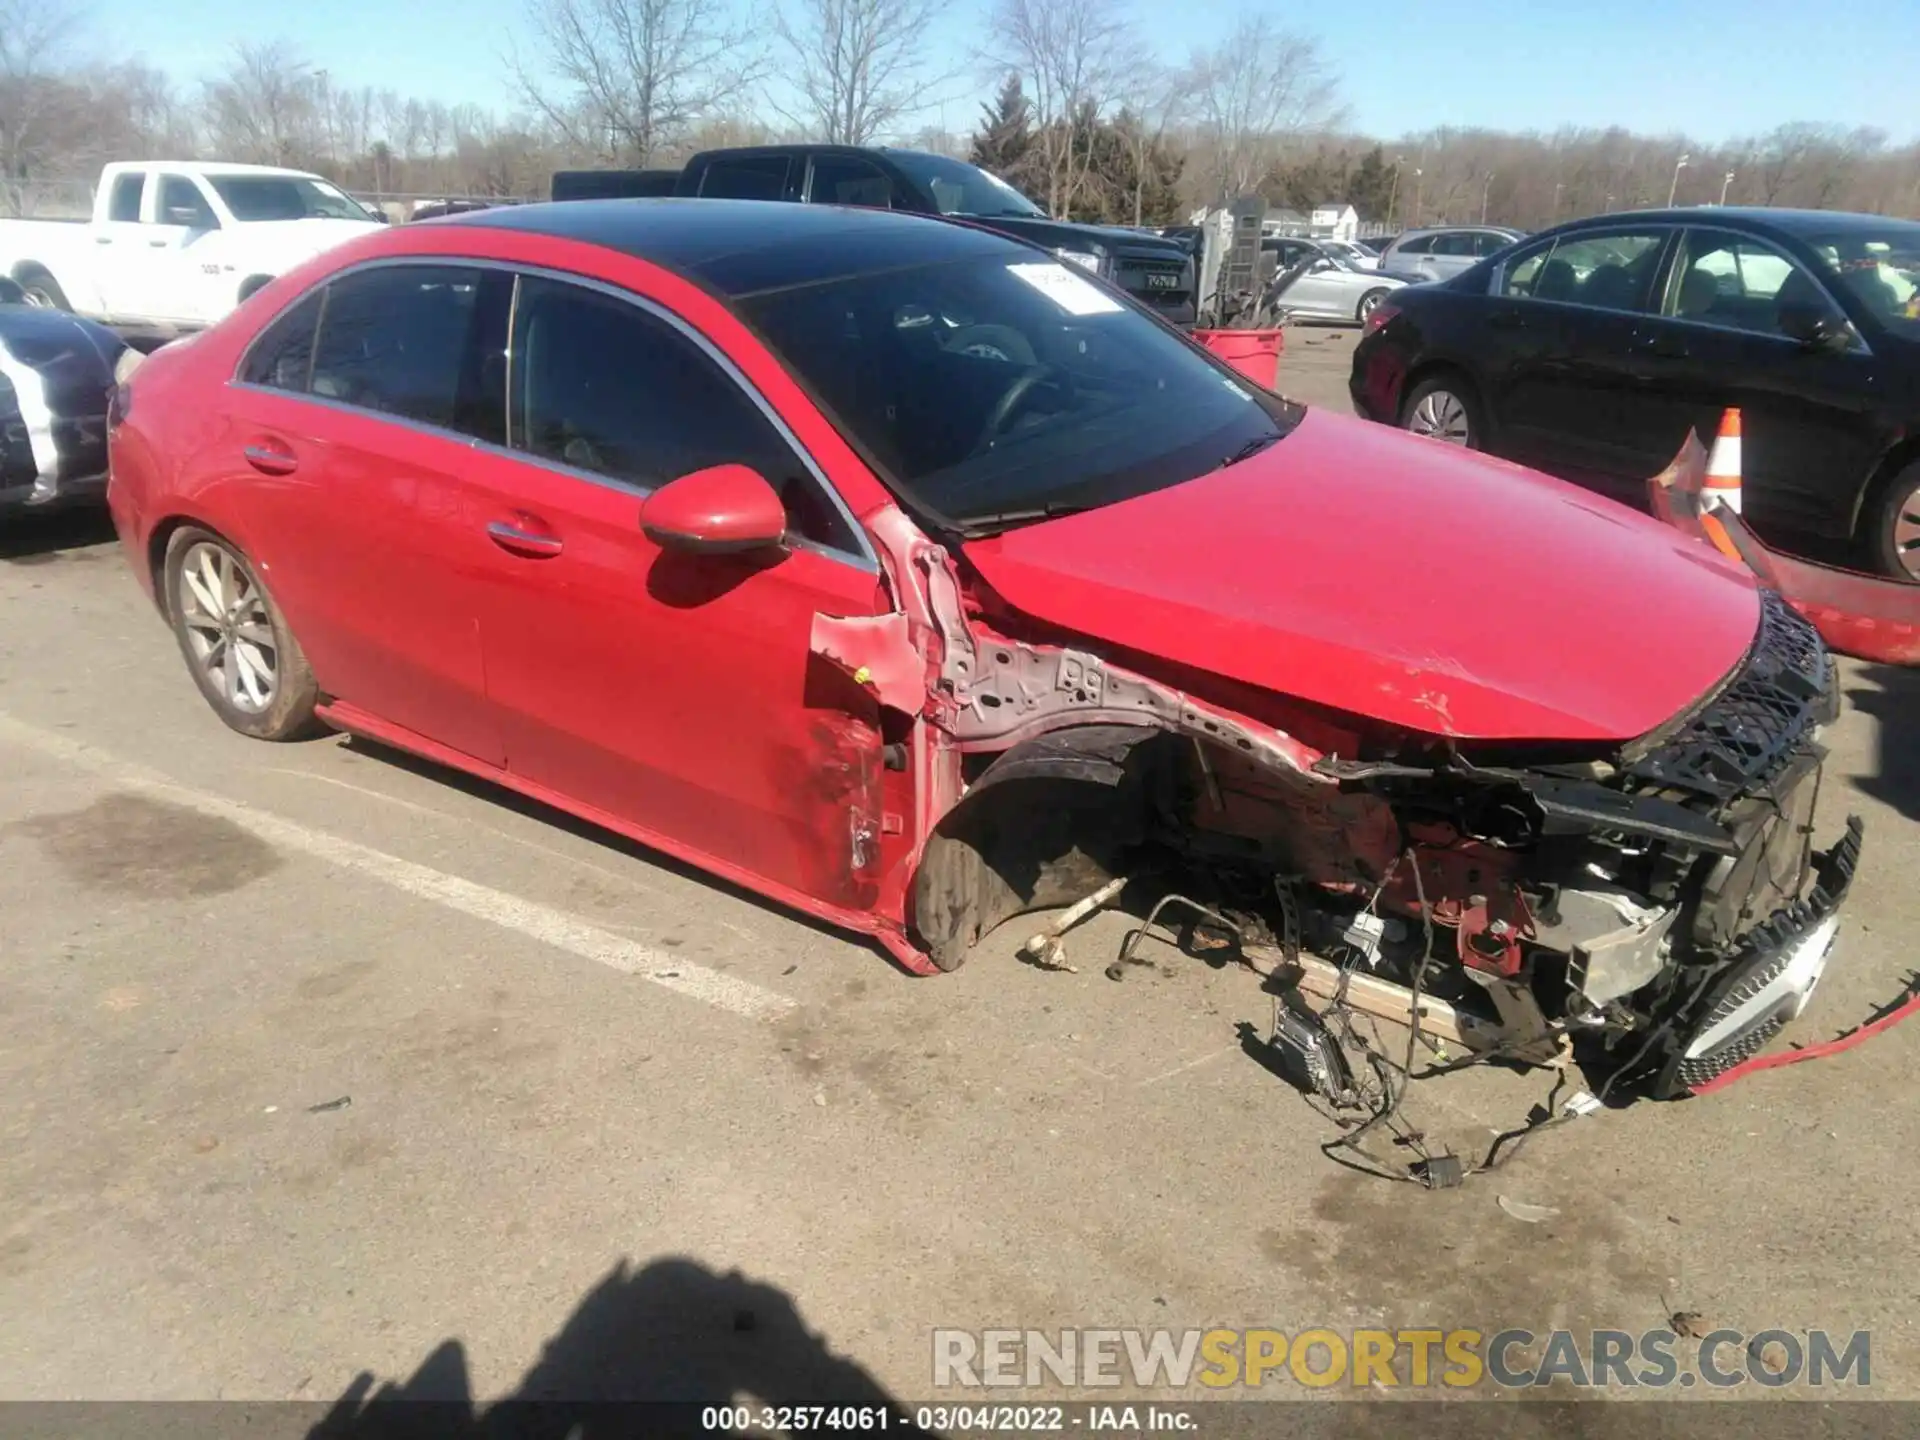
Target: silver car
1333, 287
1421, 255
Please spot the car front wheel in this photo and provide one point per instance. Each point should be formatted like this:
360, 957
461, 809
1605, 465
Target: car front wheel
1896, 533
1367, 303
1442, 409
235, 640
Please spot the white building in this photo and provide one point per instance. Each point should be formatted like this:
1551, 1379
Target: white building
1334, 222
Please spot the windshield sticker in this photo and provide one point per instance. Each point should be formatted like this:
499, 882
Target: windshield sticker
1071, 292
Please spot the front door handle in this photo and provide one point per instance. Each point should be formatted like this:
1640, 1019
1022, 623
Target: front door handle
157, 244
269, 460
103, 239
530, 543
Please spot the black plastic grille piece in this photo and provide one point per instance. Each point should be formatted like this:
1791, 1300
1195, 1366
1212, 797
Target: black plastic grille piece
1741, 739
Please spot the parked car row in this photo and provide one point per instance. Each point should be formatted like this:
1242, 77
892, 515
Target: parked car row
915, 578
1593, 349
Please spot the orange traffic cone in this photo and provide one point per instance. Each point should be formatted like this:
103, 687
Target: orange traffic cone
1722, 483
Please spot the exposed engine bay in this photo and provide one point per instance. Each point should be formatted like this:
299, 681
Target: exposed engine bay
1660, 908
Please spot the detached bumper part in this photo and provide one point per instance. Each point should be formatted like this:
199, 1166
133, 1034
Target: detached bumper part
1769, 984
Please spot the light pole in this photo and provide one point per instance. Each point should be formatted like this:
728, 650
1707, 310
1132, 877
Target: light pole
1609, 209
1417, 173
1393, 193
1726, 181
1485, 190
1557, 188
1674, 188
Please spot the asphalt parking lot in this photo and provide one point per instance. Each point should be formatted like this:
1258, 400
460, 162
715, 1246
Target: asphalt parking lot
319, 1063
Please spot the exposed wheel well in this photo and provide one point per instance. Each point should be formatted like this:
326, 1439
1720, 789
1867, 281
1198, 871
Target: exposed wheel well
157, 556
253, 284
31, 272
1044, 824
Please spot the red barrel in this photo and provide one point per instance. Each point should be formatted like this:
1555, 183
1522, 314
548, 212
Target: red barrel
1254, 353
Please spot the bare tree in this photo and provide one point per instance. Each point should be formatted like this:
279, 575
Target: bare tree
861, 64
33, 34
1254, 92
1152, 95
266, 107
626, 79
1072, 54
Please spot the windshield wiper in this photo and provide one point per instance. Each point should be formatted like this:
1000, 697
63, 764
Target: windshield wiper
977, 527
1252, 448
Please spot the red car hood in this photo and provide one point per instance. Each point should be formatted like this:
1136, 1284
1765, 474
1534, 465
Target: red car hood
1395, 577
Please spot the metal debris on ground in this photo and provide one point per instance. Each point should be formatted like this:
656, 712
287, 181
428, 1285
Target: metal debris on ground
1046, 949
325, 1105
1529, 1214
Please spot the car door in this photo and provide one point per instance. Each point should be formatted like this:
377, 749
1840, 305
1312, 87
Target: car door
119, 242
1808, 413
673, 692
1323, 290
1573, 399
168, 275
351, 426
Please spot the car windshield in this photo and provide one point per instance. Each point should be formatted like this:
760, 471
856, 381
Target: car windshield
1880, 267
962, 189
1000, 389
285, 197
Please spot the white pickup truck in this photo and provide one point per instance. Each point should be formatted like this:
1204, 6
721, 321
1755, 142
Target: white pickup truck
176, 246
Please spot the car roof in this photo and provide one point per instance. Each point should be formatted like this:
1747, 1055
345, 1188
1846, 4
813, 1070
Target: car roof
1764, 217
1458, 230
746, 247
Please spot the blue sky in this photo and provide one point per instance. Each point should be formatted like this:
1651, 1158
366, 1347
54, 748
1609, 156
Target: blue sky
1706, 67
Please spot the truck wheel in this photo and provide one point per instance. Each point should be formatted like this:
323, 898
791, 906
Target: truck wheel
252, 285
42, 289
237, 644
1895, 536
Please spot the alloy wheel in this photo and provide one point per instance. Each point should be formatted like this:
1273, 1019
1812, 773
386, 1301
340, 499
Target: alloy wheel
228, 628
1906, 534
1441, 415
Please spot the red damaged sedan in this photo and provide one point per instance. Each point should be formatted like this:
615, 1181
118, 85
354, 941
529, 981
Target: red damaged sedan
913, 579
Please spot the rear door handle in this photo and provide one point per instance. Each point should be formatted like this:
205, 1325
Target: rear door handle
269, 460
157, 244
103, 239
518, 541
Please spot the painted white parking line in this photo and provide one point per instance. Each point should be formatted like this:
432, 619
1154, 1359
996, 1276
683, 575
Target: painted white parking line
510, 912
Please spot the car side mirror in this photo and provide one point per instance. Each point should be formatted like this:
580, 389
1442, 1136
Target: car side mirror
722, 510
1815, 328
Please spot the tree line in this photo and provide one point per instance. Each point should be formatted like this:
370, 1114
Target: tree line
1086, 116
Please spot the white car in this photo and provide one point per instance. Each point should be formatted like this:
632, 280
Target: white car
175, 246
1358, 256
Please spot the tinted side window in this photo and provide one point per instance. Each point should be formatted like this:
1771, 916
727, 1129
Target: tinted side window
1520, 274
746, 177
411, 340
1741, 284
1487, 241
181, 203
1419, 245
848, 180
124, 203
602, 385
1609, 271
1454, 244
283, 355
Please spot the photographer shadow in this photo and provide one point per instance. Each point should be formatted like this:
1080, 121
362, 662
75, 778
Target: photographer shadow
644, 1354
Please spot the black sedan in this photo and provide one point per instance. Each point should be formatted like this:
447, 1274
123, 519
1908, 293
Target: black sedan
56, 378
1591, 350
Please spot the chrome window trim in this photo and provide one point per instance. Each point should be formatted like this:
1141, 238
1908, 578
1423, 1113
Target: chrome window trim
865, 559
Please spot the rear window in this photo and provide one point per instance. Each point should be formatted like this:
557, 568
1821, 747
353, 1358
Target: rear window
1004, 386
746, 177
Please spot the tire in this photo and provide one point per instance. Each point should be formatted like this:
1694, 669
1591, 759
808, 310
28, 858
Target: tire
42, 289
252, 672
252, 286
1894, 539
1445, 408
1367, 302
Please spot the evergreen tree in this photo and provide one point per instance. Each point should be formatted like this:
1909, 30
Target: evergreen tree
1370, 186
1004, 141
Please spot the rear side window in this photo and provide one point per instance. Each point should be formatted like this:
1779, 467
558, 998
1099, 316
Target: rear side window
123, 204
849, 180
426, 342
603, 386
1487, 241
746, 177
1456, 244
283, 355
1419, 245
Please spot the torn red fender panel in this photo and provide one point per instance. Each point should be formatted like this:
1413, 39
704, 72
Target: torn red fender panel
878, 652
1859, 615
